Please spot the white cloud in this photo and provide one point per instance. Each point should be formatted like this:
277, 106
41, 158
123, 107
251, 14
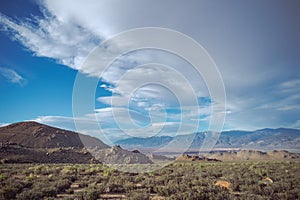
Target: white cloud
290, 86
12, 76
112, 123
3, 124
66, 42
296, 124
154, 84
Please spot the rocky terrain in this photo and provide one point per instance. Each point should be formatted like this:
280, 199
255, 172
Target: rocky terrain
32, 142
58, 155
187, 157
158, 158
254, 155
35, 135
117, 155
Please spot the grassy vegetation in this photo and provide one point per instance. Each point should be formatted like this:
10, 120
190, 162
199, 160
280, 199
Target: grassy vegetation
186, 180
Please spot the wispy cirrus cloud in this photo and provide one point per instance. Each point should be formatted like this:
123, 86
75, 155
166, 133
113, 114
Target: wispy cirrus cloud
12, 76
66, 42
111, 124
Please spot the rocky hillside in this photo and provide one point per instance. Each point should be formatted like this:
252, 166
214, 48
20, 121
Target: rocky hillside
58, 155
30, 142
36, 135
117, 155
187, 157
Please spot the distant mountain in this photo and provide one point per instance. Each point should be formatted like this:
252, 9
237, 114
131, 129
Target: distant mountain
281, 138
27, 142
136, 142
268, 139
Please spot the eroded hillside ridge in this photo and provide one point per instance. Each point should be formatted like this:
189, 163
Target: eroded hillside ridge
35, 135
32, 142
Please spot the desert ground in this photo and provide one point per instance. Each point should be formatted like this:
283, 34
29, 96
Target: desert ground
178, 180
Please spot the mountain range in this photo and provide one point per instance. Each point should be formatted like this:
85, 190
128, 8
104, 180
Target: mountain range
263, 139
32, 142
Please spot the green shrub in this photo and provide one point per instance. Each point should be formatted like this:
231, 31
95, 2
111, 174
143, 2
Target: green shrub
138, 195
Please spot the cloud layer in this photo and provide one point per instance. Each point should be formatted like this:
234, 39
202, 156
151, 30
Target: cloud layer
255, 54
48, 36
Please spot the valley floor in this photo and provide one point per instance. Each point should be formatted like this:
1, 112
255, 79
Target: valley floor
179, 180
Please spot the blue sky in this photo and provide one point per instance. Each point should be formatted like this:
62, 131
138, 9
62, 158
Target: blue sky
255, 45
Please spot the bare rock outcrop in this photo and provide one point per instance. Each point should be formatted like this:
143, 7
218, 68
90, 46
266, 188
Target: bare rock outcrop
187, 157
255, 155
118, 155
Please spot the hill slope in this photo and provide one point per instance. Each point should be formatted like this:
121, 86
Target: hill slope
36, 135
25, 142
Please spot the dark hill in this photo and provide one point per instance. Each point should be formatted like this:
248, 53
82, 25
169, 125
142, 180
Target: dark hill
31, 142
35, 135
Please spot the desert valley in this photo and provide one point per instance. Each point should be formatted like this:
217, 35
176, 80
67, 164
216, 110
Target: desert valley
44, 162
